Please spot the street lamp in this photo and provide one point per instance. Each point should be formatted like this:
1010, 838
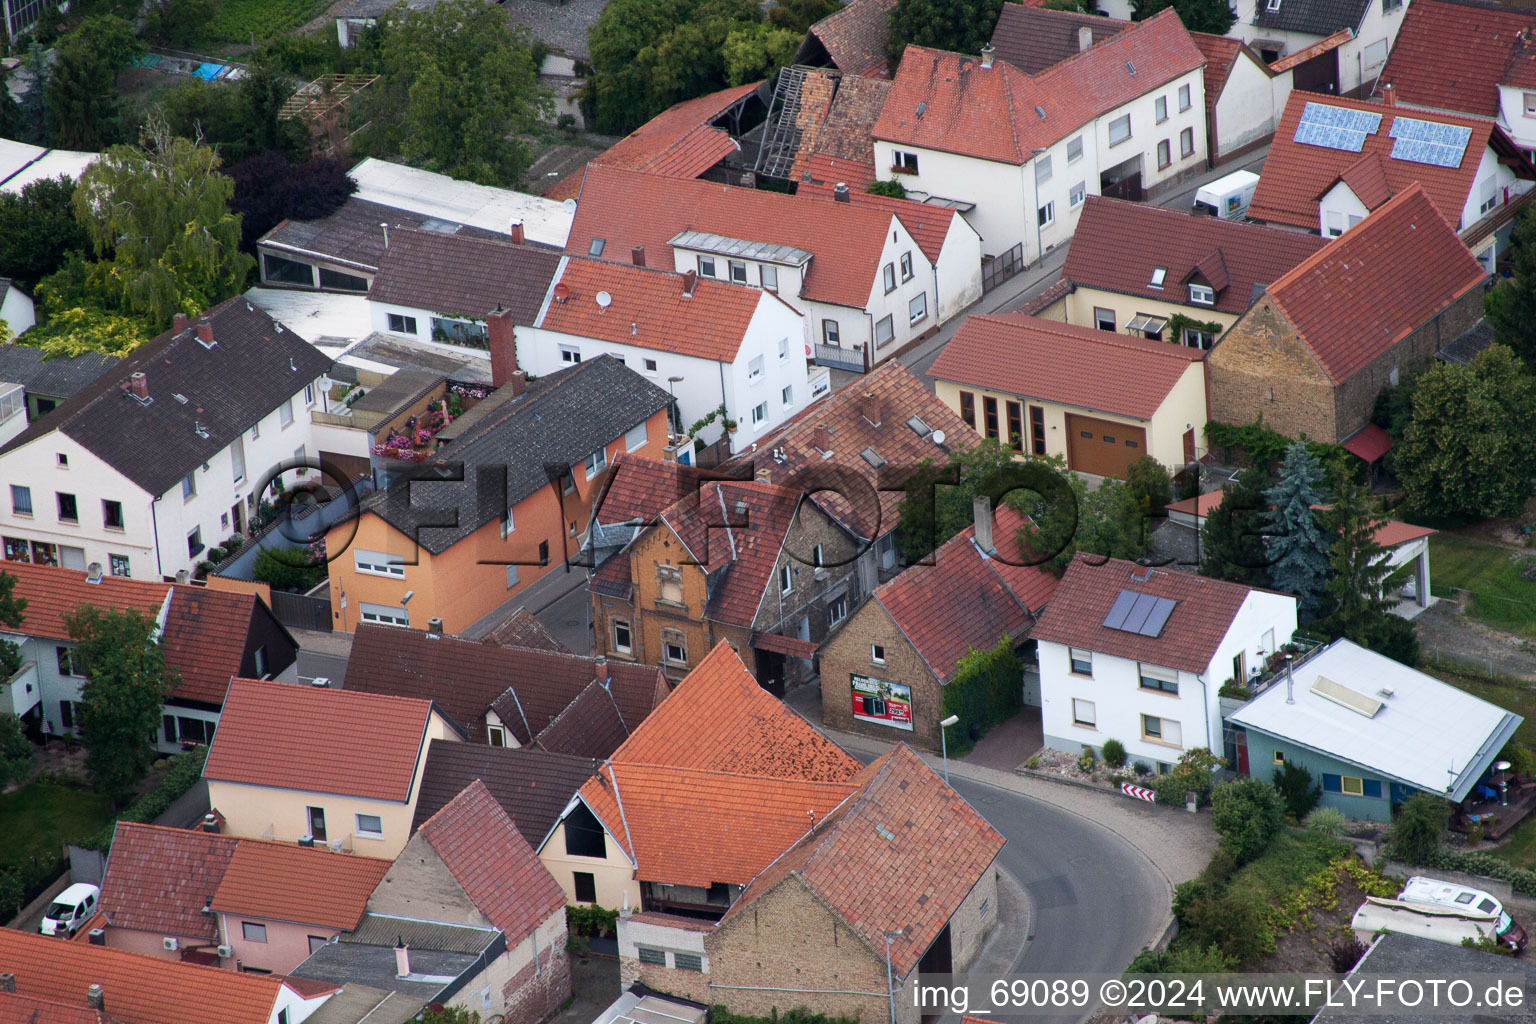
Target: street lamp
944, 742
672, 410
890, 984
1501, 767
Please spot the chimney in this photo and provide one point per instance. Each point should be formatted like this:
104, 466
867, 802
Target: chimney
1084, 38
1389, 95
986, 56
638, 255
211, 822
869, 407
402, 958
690, 279
601, 665
7, 982
840, 192
205, 330
95, 998
434, 627
981, 512
501, 339
821, 437
517, 232
180, 322
138, 385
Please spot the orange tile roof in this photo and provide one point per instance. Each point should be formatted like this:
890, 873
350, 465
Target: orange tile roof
1297, 175
1306, 53
15, 1009
137, 989
719, 719
855, 36
1453, 54
1200, 505
1394, 533
629, 208
1370, 442
1064, 363
319, 740
1377, 283
51, 593
159, 879
829, 435
823, 173
1200, 618
678, 142
649, 309
689, 826
287, 882
493, 863
1367, 179
991, 113
641, 489
903, 827
928, 225
962, 601
737, 528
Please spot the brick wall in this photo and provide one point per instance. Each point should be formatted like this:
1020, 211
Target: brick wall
848, 653
808, 597
1261, 368
787, 950
533, 995
974, 919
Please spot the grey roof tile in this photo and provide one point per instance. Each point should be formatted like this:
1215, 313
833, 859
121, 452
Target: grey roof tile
1314, 17
531, 785
52, 378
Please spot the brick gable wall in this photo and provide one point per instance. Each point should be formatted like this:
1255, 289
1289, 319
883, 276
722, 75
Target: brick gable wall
848, 653
532, 995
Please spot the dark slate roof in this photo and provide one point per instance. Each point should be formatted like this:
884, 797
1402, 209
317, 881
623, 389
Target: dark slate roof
559, 421
355, 234
374, 966
1314, 17
1467, 344
463, 275
590, 726
439, 936
1404, 955
254, 364
1033, 38
53, 378
531, 785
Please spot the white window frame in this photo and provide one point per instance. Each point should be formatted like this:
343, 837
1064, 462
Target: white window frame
706, 266
885, 330
769, 277
1088, 707
379, 563
570, 354
399, 323
285, 414
1078, 193
309, 395
786, 580
1099, 321
759, 414
1187, 143
1164, 727
737, 271
596, 462
877, 654
1043, 169
1159, 276
755, 368
1121, 123
629, 628
906, 266
1046, 215
1164, 153
382, 613
1185, 100
1528, 100
888, 277
1077, 656
650, 366
1074, 149
787, 396
1202, 294
508, 523
1160, 109
831, 332
369, 833
837, 609
917, 308
635, 437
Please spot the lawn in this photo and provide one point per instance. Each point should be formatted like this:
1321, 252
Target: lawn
1519, 847
1509, 694
38, 818
238, 21
1500, 598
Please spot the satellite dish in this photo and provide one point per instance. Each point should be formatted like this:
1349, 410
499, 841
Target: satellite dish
569, 206
604, 300
562, 291
938, 437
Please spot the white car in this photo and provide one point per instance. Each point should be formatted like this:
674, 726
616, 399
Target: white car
69, 912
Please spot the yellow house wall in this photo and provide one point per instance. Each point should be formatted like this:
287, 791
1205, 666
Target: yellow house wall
265, 812
1077, 307
614, 875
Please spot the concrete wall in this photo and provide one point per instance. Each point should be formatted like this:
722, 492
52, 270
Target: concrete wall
957, 274
1249, 105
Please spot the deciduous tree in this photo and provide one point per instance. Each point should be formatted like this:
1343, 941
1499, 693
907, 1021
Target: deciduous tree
12, 612
126, 685
1212, 16
15, 751
963, 26
1297, 547
1511, 305
755, 52
1232, 540
82, 106
1466, 453
38, 230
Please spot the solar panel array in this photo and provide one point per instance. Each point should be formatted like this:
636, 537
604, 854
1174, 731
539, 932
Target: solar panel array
1336, 127
1142, 614
1429, 142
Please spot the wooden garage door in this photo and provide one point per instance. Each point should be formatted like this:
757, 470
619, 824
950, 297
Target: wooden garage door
1102, 447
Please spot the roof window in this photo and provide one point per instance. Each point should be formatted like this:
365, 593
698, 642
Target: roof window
1158, 274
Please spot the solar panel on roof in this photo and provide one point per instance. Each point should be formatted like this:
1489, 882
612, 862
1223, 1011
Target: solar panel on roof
1335, 127
1138, 613
1158, 617
1141, 614
1429, 142
1117, 611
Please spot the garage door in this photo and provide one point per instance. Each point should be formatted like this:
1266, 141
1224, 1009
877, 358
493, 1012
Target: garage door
1102, 447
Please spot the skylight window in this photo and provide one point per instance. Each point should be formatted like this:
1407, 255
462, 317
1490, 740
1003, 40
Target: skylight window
596, 248
1158, 274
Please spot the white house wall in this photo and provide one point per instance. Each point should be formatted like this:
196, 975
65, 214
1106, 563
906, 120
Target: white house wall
1494, 178
996, 188
1248, 105
1340, 205
957, 274
1513, 118
16, 310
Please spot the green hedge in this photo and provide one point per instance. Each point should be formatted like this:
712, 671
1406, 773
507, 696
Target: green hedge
1473, 863
987, 689
184, 772
799, 1015
1263, 446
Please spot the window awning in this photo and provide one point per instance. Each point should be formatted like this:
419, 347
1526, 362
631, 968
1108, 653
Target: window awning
1147, 322
784, 645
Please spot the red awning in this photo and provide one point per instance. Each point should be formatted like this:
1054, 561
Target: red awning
784, 645
1369, 443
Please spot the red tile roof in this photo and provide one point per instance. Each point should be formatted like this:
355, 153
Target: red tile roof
493, 863
1521, 72
904, 828
1393, 533
1200, 619
688, 826
1306, 53
991, 113
1370, 442
899, 398
1178, 242
639, 490
271, 734
1051, 361
205, 632
287, 882
1221, 54
1367, 179
15, 1009
1200, 505
720, 719
928, 225
964, 601
628, 208
1453, 54
823, 173
523, 629
678, 142
159, 879
1297, 175
649, 309
844, 132
855, 36
1376, 284
737, 528
137, 989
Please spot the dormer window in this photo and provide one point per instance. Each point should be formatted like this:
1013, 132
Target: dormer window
1158, 275
1202, 294
1273, 5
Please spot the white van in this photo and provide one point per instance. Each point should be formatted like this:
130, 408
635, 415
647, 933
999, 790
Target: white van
70, 910
1227, 197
